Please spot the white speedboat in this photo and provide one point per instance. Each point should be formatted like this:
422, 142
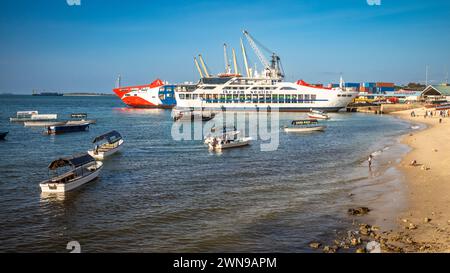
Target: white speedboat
106, 145
83, 169
23, 116
304, 126
227, 131
316, 114
219, 143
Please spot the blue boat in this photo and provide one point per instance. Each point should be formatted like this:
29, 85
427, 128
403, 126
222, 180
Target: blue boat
3, 135
67, 128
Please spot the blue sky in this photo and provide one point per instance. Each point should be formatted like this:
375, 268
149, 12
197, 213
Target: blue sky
50, 45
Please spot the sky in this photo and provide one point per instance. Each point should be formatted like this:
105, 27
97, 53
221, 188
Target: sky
53, 46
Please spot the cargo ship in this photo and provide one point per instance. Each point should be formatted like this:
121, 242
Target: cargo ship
154, 95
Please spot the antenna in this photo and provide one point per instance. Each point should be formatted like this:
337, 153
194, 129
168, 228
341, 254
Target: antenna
119, 81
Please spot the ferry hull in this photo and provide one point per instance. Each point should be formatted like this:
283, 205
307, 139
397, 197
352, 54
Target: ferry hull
154, 95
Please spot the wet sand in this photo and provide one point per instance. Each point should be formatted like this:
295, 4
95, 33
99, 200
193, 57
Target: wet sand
426, 220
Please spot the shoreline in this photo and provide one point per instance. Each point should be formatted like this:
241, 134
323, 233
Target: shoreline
426, 221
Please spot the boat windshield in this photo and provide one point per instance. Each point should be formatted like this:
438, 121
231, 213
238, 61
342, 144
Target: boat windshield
304, 122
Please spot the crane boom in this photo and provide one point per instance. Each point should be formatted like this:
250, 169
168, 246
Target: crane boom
203, 65
255, 48
244, 54
225, 56
236, 71
198, 67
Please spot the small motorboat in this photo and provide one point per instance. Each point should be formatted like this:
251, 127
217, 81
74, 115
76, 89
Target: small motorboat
23, 116
316, 114
106, 145
191, 115
219, 144
228, 131
67, 128
304, 126
82, 169
3, 135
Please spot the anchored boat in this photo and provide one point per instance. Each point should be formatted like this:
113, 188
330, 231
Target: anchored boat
106, 145
304, 126
23, 116
191, 115
82, 169
67, 128
316, 114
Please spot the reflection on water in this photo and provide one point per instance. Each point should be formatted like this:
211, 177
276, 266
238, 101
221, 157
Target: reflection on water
164, 195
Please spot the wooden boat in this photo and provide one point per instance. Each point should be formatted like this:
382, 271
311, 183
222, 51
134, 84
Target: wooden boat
23, 116
3, 135
83, 169
190, 115
67, 128
106, 145
315, 114
219, 144
304, 126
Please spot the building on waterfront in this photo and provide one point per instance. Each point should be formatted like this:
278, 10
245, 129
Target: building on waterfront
436, 92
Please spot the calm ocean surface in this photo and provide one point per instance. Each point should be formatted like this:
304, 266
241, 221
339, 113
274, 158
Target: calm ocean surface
161, 195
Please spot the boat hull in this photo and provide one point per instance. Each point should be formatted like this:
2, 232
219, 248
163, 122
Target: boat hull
154, 95
62, 129
318, 116
233, 144
48, 187
304, 130
103, 155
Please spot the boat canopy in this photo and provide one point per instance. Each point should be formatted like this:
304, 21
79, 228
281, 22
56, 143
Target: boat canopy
111, 137
304, 122
78, 115
74, 161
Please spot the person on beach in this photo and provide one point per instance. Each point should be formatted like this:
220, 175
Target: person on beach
370, 161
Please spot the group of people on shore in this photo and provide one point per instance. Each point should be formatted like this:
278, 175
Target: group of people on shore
430, 113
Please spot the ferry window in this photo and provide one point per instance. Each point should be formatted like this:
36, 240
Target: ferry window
229, 98
168, 95
222, 98
268, 98
195, 96
288, 98
161, 97
188, 96
261, 98
161, 89
235, 98
248, 98
281, 98
307, 98
275, 98
300, 98
255, 98
127, 95
294, 98
313, 98
241, 98
261, 88
182, 96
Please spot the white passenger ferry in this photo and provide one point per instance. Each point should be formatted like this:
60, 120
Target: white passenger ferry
263, 91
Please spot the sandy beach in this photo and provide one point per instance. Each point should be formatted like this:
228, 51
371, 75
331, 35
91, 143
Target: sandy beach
425, 225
